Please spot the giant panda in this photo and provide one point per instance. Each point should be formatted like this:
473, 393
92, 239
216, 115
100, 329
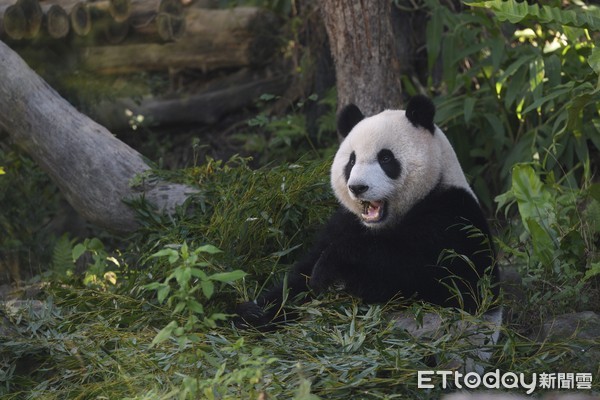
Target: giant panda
408, 223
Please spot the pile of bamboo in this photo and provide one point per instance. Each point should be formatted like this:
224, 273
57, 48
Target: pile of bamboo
111, 19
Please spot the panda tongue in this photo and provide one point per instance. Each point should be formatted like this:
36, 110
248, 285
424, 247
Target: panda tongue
371, 210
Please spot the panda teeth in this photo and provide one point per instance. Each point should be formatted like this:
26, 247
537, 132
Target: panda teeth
372, 211
365, 205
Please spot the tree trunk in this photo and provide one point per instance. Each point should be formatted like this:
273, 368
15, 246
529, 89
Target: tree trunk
92, 168
364, 51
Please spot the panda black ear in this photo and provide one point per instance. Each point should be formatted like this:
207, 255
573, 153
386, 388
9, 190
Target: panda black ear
420, 112
347, 118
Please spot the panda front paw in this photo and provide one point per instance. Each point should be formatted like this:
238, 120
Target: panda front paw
250, 315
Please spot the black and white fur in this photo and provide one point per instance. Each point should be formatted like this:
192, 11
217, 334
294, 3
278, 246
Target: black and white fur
404, 202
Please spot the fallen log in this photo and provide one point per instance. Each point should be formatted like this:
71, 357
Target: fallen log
91, 167
213, 39
205, 108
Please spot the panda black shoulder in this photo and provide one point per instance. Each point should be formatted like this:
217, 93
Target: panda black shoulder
458, 205
420, 111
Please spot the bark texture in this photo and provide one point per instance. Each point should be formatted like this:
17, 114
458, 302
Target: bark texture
365, 53
92, 168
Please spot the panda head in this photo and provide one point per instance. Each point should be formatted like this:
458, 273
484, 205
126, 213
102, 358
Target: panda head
388, 162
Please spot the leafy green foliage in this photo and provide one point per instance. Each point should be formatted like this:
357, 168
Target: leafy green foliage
190, 276
260, 218
62, 257
521, 92
282, 138
556, 240
20, 220
100, 272
516, 12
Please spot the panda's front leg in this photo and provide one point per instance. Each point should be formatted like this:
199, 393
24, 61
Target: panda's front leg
326, 271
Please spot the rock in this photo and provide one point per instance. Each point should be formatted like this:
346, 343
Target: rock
476, 334
582, 325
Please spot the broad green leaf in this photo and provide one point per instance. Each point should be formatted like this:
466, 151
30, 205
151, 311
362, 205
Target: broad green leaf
198, 273
594, 62
533, 201
593, 271
196, 307
468, 108
95, 244
78, 250
172, 255
228, 276
543, 245
162, 292
208, 248
556, 92
496, 124
164, 333
595, 191
434, 36
183, 275
184, 251
208, 288
497, 50
515, 88
179, 307
218, 317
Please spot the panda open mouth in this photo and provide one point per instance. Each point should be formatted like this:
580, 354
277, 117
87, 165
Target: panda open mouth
372, 211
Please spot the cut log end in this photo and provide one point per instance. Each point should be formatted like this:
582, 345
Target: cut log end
81, 21
14, 22
120, 9
33, 17
57, 22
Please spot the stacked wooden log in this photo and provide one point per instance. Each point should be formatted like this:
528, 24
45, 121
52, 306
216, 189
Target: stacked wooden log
128, 36
113, 19
213, 39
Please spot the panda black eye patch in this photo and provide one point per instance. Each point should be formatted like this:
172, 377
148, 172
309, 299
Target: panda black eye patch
349, 165
389, 164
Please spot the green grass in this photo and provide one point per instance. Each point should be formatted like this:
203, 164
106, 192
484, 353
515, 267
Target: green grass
92, 344
97, 341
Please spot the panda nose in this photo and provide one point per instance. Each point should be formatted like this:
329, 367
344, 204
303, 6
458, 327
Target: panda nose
358, 189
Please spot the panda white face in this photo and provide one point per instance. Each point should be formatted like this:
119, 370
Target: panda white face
388, 162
